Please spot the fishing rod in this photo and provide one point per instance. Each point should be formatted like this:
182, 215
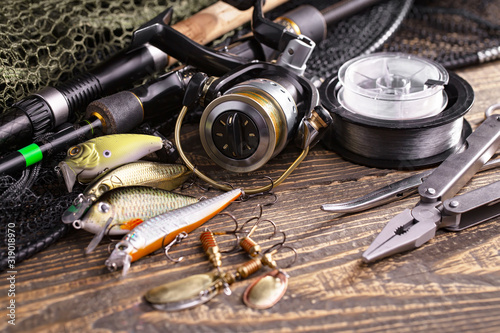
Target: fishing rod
123, 111
50, 107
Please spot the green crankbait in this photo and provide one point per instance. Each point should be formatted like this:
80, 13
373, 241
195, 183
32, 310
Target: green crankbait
120, 210
143, 173
87, 160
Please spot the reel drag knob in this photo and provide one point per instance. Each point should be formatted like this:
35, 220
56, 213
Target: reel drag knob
235, 135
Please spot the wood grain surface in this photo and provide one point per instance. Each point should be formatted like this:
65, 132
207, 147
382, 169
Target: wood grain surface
450, 284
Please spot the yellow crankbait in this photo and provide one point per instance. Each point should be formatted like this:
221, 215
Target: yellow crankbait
87, 160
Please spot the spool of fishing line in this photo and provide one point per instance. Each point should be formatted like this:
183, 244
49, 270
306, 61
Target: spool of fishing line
394, 110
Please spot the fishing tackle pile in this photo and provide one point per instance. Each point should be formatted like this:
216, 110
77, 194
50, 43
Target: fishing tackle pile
263, 293
251, 99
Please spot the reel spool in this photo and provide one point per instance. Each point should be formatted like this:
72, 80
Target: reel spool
398, 111
251, 123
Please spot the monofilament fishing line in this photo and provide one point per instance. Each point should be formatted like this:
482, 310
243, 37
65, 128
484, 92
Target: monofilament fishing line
393, 110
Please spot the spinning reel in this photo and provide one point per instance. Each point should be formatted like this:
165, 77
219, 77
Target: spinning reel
253, 111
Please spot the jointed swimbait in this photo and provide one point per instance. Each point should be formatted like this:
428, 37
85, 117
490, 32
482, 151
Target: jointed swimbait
144, 173
162, 229
87, 160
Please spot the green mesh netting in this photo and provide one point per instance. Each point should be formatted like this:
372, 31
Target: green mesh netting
46, 42
454, 33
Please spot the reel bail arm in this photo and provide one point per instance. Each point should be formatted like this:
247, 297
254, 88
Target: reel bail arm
160, 34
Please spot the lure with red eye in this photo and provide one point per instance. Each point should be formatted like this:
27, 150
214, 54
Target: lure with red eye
86, 161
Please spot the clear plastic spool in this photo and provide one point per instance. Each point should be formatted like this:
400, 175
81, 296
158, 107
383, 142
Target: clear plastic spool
393, 86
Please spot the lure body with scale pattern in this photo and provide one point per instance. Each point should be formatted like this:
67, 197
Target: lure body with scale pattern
162, 229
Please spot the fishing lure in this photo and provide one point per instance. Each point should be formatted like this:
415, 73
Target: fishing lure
197, 289
121, 210
162, 229
144, 173
87, 160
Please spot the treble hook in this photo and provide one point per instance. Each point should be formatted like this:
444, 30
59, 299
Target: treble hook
247, 197
261, 211
248, 244
258, 218
235, 222
111, 245
246, 241
78, 174
233, 232
278, 246
176, 240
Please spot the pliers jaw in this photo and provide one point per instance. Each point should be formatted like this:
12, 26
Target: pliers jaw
404, 232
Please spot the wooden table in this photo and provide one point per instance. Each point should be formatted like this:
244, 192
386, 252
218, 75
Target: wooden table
451, 284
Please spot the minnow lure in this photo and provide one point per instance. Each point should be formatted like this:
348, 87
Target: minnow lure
162, 229
87, 160
120, 210
144, 173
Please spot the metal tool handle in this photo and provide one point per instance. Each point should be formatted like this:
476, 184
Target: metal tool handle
472, 208
386, 194
392, 192
459, 168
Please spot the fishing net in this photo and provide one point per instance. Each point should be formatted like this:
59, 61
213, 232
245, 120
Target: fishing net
30, 209
48, 42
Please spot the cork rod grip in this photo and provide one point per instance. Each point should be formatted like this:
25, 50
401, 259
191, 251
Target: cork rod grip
216, 20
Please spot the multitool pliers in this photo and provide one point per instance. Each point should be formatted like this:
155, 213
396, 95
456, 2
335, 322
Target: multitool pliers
438, 206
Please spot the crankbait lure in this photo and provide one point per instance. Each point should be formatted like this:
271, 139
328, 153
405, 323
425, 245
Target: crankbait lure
162, 229
120, 210
87, 160
144, 173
